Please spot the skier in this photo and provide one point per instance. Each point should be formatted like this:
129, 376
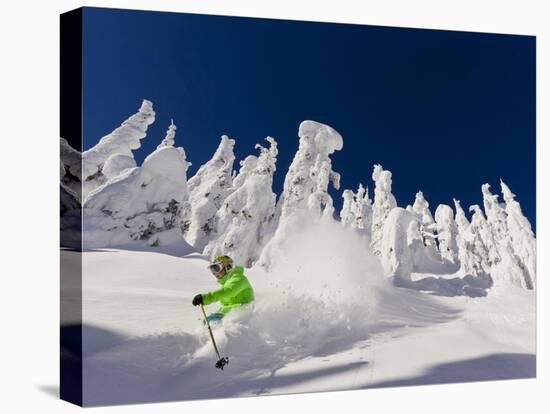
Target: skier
235, 288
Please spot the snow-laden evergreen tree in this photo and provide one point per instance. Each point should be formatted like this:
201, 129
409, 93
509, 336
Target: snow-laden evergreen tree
70, 168
461, 220
399, 241
384, 202
116, 164
471, 258
347, 213
149, 203
320, 201
415, 241
70, 217
447, 232
70, 193
306, 184
170, 137
500, 261
248, 165
402, 249
427, 223
122, 140
363, 208
246, 211
521, 236
484, 241
311, 168
496, 216
208, 189
357, 210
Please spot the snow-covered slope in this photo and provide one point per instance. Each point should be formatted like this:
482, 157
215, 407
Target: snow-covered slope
144, 342
385, 296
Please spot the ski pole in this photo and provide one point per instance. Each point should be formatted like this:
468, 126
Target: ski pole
221, 361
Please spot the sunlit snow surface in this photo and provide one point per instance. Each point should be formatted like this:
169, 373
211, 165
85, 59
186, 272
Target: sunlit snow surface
324, 319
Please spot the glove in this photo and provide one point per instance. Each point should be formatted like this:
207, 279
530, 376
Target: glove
197, 300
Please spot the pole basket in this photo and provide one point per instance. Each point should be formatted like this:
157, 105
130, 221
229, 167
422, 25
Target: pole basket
222, 362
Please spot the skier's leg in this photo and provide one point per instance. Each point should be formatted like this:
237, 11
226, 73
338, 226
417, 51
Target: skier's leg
215, 317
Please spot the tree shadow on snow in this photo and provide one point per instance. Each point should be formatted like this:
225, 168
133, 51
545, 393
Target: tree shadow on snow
177, 250
77, 341
86, 340
489, 368
146, 369
468, 285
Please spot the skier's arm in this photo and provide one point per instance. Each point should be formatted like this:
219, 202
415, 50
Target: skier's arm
231, 288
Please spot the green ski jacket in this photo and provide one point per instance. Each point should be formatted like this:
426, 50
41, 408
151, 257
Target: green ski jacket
235, 291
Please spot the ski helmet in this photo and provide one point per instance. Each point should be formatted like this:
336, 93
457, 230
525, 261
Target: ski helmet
225, 262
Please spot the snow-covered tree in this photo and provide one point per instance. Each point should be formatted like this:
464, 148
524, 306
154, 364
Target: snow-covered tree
306, 184
122, 140
347, 214
357, 210
427, 224
461, 220
447, 232
500, 261
208, 189
471, 259
496, 216
70, 193
71, 168
245, 212
149, 203
169, 139
248, 165
415, 241
398, 243
70, 218
363, 209
521, 236
320, 201
384, 202
484, 241
116, 163
311, 169
402, 249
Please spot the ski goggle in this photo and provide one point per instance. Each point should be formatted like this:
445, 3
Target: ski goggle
216, 267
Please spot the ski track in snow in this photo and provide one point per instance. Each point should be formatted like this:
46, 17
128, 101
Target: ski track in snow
144, 342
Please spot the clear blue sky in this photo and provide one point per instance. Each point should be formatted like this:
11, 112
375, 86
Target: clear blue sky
444, 111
